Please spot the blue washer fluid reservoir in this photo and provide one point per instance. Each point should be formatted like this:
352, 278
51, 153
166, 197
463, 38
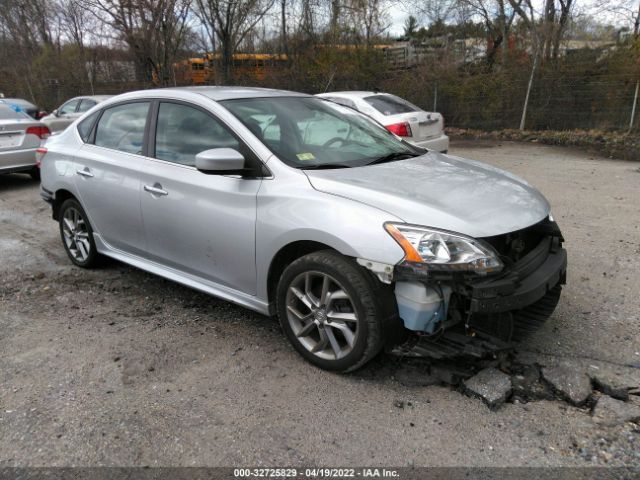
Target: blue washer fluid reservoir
422, 308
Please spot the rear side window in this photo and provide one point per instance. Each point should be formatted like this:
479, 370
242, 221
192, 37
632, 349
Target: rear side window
183, 132
69, 107
390, 104
86, 125
122, 127
85, 105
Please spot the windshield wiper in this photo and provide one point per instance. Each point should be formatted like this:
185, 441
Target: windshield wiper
392, 157
326, 166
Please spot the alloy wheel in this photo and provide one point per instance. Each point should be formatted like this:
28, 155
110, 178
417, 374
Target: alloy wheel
76, 234
322, 315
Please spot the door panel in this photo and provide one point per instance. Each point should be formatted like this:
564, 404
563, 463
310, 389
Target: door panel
201, 224
109, 185
108, 176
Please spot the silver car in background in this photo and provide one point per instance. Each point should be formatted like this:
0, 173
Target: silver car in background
424, 129
295, 206
71, 110
20, 137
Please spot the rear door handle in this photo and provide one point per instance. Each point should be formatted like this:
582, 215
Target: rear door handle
85, 173
156, 190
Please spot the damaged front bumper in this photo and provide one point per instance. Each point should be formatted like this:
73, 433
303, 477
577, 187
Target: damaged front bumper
472, 313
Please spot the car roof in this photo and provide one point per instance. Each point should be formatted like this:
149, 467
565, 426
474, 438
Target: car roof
352, 94
97, 98
228, 92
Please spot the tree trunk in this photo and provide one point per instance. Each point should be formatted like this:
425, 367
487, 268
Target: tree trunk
285, 46
335, 16
227, 58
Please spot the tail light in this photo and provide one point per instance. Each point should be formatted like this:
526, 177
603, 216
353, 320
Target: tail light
41, 132
40, 153
401, 129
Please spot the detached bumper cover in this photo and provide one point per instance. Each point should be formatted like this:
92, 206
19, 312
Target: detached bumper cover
528, 281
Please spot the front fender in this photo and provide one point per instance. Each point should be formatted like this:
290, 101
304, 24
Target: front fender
294, 211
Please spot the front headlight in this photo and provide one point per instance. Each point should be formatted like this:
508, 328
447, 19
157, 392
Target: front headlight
444, 251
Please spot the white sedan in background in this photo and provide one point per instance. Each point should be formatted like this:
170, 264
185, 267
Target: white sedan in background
424, 129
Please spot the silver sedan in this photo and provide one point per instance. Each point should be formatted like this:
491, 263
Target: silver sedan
301, 208
20, 137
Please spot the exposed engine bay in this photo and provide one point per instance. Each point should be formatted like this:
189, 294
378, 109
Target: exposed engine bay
452, 314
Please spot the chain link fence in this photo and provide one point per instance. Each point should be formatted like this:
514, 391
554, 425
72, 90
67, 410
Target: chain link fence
583, 92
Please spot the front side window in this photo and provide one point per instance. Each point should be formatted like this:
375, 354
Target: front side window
69, 107
85, 105
390, 104
122, 127
183, 131
309, 132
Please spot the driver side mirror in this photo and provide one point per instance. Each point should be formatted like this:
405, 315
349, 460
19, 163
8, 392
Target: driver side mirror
56, 113
220, 161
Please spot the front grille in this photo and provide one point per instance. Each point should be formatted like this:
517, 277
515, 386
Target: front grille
514, 245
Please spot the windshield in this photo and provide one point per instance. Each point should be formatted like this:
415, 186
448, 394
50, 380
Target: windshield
390, 104
307, 132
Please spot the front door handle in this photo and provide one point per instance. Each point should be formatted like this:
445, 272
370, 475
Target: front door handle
156, 190
85, 173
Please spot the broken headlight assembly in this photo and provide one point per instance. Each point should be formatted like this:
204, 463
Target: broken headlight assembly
443, 251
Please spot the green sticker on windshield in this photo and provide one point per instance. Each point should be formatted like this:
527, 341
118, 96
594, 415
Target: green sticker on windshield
305, 156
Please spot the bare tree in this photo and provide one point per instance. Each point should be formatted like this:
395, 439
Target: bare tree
410, 26
28, 23
75, 21
526, 13
368, 17
433, 11
555, 22
154, 30
498, 17
231, 21
627, 11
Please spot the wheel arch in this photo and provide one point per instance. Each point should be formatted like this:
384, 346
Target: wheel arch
287, 254
60, 197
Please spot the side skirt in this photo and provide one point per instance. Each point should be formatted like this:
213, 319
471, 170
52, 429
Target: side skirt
225, 293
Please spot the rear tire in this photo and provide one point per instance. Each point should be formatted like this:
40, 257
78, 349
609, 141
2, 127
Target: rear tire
77, 235
334, 312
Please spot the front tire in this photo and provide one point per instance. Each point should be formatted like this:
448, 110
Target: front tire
333, 312
77, 234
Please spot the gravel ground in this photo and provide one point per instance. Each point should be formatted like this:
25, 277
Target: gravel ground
118, 367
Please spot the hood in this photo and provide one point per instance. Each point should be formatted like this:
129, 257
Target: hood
440, 191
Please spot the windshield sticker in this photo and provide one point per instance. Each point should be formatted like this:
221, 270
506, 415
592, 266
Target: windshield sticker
305, 156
